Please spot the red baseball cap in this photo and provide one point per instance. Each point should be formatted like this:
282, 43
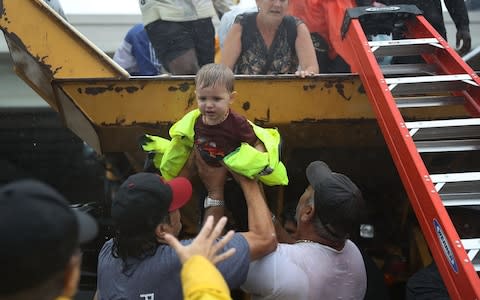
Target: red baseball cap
145, 198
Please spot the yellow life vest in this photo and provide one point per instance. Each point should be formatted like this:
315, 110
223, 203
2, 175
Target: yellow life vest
171, 155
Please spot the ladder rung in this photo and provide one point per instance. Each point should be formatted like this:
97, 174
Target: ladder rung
429, 84
428, 101
456, 177
470, 244
443, 123
428, 87
444, 129
448, 145
425, 79
403, 42
476, 267
404, 47
408, 69
461, 199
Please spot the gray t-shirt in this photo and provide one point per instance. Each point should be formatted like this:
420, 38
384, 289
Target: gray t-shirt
158, 276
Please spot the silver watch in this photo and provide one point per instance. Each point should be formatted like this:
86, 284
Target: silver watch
212, 202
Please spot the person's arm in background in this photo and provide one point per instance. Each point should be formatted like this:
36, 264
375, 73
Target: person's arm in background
222, 6
200, 278
458, 11
124, 57
232, 46
305, 52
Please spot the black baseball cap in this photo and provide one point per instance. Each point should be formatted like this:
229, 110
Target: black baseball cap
338, 201
144, 198
39, 233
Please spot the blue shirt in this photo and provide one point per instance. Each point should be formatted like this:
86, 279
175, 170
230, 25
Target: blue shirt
158, 276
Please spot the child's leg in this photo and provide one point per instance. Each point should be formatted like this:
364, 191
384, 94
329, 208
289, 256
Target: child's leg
213, 179
215, 202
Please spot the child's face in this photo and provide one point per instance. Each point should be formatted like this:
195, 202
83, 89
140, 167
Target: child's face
214, 102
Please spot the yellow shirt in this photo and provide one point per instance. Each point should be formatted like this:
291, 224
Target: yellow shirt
202, 281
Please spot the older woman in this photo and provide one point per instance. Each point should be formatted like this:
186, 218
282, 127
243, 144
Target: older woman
269, 42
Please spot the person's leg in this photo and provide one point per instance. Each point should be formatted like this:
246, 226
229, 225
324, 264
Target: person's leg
204, 37
174, 46
184, 64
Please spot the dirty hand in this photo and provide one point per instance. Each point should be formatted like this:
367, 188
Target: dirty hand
212, 177
242, 180
303, 74
205, 244
463, 38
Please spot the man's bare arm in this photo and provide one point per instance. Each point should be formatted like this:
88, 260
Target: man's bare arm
261, 235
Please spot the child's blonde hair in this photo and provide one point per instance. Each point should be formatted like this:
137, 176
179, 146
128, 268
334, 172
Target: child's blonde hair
211, 75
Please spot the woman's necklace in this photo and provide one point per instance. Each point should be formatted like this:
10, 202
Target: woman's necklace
305, 241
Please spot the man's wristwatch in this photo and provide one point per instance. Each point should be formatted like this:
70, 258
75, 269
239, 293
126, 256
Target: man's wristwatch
212, 202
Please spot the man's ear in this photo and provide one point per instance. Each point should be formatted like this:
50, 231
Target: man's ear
160, 231
307, 213
72, 276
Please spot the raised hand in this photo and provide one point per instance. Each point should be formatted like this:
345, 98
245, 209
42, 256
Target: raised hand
205, 243
212, 177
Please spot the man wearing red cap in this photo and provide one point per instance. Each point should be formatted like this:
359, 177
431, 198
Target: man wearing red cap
139, 264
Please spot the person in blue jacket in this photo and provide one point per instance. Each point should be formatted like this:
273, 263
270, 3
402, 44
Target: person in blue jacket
137, 55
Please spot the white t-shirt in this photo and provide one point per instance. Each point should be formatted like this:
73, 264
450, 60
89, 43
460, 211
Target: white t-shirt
308, 271
176, 10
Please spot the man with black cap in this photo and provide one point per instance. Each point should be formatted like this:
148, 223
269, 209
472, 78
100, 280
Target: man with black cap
40, 239
321, 262
139, 264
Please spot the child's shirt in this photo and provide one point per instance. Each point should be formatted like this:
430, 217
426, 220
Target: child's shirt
214, 142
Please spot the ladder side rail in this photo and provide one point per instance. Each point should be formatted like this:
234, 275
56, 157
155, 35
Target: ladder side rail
425, 200
472, 106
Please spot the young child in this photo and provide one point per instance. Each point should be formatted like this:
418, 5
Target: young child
220, 136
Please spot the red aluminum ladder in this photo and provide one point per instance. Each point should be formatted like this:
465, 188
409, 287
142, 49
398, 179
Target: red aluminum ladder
444, 79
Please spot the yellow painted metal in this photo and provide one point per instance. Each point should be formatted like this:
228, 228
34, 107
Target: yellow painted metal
267, 99
39, 31
109, 110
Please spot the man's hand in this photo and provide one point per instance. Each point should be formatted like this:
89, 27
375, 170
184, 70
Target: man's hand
242, 180
205, 243
464, 39
212, 177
